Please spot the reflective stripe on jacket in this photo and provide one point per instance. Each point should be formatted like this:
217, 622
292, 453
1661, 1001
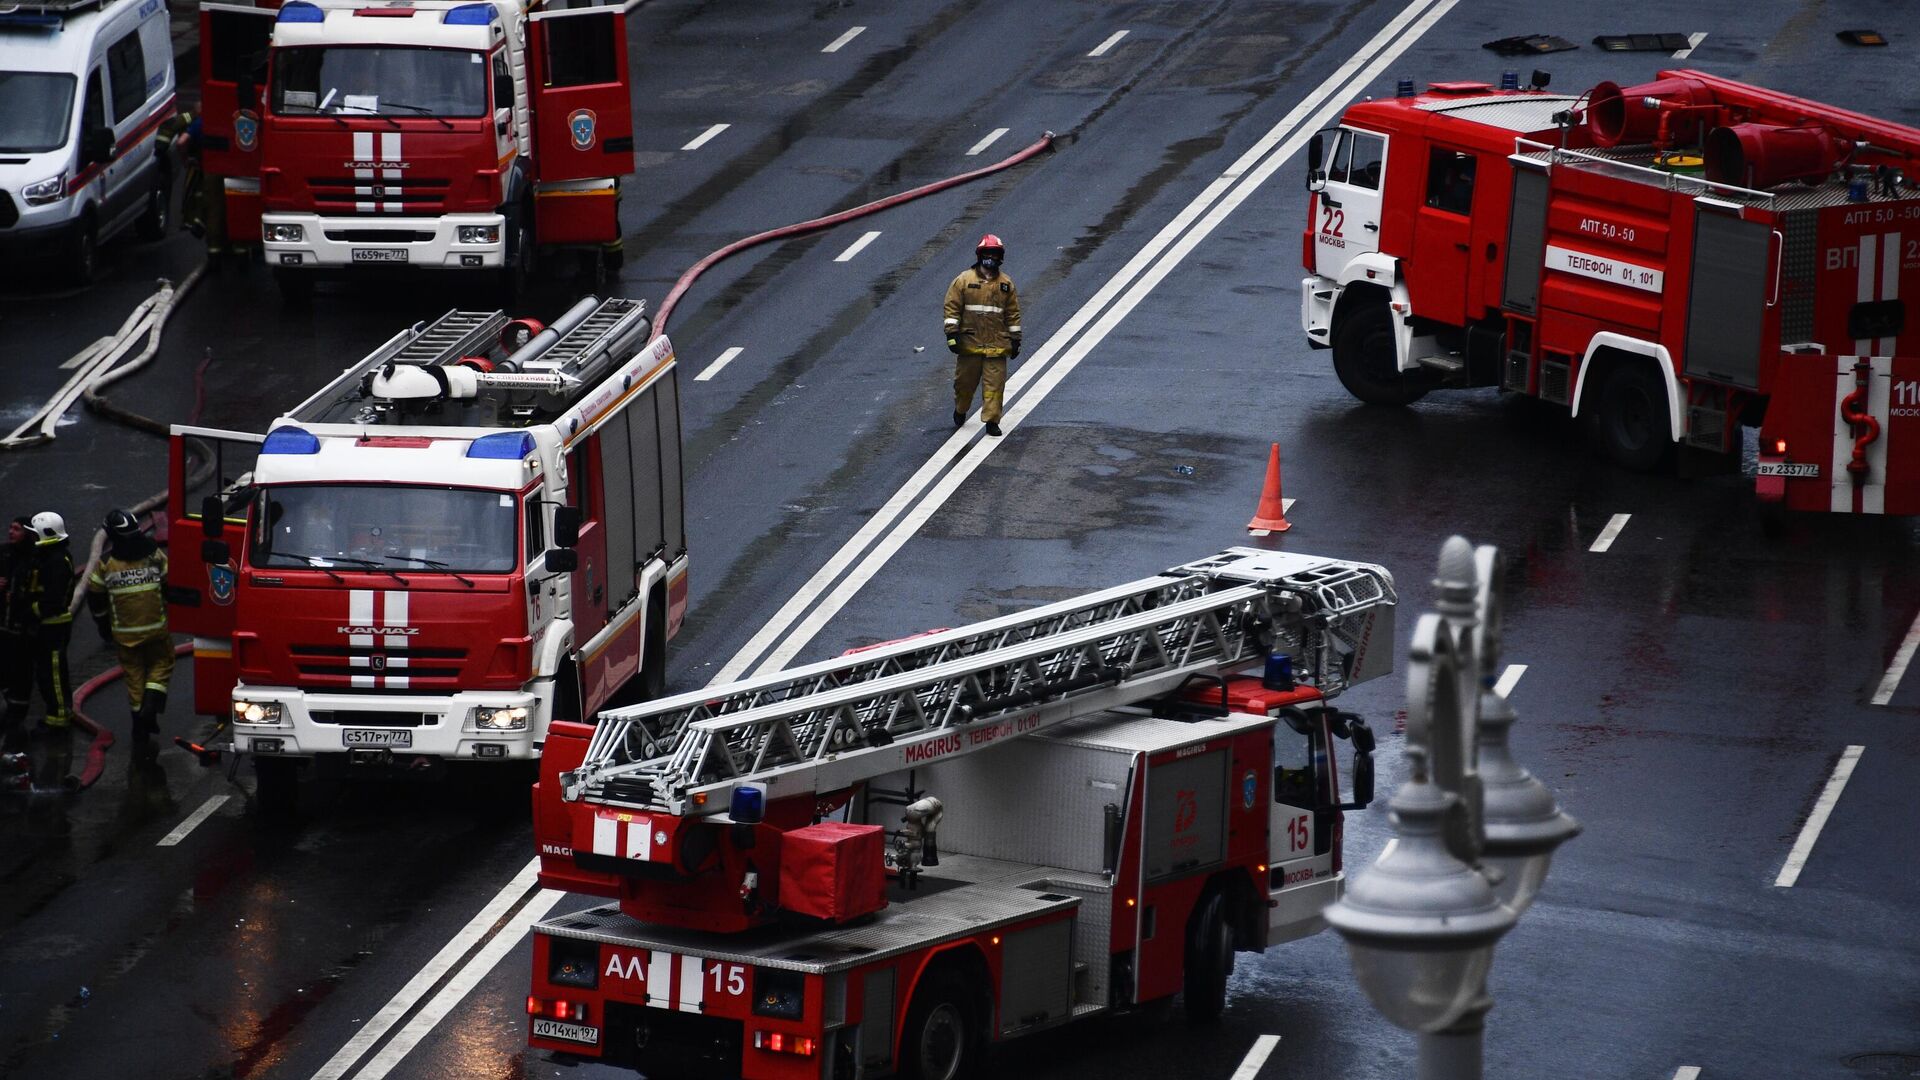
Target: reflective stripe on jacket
984, 312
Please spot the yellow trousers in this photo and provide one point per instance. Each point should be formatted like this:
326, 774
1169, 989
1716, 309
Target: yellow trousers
970, 371
146, 665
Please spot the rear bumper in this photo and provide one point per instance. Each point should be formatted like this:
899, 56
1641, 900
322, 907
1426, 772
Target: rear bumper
315, 724
428, 243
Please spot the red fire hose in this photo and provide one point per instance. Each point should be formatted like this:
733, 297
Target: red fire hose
102, 738
1853, 411
802, 228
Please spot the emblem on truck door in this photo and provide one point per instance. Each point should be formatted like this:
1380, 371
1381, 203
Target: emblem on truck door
580, 124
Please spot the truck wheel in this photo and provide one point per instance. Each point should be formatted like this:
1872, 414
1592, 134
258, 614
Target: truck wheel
83, 249
1630, 418
938, 1042
1363, 357
653, 679
276, 788
1209, 960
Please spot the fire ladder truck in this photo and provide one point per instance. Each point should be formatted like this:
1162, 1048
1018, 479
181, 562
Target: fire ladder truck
824, 873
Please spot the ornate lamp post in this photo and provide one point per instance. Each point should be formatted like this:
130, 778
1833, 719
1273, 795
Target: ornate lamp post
1475, 831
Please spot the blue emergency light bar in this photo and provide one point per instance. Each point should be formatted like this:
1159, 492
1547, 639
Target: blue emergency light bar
470, 15
290, 440
299, 11
28, 20
503, 445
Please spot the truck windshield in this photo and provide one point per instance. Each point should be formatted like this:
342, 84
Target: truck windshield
416, 530
379, 80
34, 109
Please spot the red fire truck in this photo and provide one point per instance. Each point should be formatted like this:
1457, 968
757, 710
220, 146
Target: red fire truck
435, 134
886, 861
475, 529
1672, 261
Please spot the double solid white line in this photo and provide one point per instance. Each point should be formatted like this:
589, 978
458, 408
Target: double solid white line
809, 609
904, 513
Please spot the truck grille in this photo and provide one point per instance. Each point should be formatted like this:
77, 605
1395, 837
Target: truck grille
1706, 427
1516, 374
379, 236
375, 718
410, 195
336, 664
1554, 383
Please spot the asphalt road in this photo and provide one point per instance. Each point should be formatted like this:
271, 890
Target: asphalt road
1688, 691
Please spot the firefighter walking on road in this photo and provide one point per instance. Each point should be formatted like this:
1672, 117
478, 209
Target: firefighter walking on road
129, 606
983, 332
47, 599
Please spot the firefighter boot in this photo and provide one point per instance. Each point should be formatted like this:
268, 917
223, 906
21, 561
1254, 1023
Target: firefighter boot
144, 729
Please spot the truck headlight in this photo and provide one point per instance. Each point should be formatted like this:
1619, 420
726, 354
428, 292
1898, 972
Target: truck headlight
490, 719
479, 234
281, 233
52, 189
258, 713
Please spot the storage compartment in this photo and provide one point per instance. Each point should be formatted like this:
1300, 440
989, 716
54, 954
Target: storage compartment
833, 871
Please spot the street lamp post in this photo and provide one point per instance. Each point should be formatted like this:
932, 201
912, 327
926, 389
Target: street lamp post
1475, 832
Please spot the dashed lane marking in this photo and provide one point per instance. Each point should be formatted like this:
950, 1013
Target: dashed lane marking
714, 368
1822, 810
857, 247
1898, 669
1509, 679
1611, 533
1256, 1057
1687, 1072
193, 820
992, 137
1101, 49
706, 136
840, 42
1693, 42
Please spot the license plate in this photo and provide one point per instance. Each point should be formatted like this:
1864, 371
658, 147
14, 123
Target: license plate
1790, 468
376, 737
379, 254
554, 1029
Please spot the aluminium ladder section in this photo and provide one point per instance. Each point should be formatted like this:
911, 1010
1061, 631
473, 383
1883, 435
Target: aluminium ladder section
832, 724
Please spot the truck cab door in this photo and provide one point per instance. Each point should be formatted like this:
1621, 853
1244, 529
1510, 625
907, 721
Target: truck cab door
205, 462
1439, 272
1300, 830
1347, 206
581, 93
233, 55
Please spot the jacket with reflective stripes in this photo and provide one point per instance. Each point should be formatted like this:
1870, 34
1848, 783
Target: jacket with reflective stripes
131, 590
984, 311
49, 584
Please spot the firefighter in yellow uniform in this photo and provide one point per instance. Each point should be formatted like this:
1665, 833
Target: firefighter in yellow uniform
983, 332
125, 593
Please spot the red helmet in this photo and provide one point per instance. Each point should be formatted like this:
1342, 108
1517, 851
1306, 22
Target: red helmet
989, 242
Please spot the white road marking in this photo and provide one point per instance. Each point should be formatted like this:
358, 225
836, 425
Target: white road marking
1822, 810
1898, 669
706, 136
424, 979
1313, 113
459, 986
841, 41
1693, 42
714, 368
857, 246
1256, 1057
888, 530
1101, 49
193, 820
1388, 850
1687, 1072
1611, 533
992, 137
1509, 679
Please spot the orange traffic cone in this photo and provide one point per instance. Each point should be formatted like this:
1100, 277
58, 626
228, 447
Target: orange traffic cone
1271, 517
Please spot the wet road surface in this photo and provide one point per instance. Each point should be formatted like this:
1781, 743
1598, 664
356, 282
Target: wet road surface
1688, 691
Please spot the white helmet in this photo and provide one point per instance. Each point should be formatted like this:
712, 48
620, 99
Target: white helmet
47, 525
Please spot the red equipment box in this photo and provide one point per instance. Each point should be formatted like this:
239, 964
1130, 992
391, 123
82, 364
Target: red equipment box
833, 871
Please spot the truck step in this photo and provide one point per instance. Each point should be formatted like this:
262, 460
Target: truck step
1448, 364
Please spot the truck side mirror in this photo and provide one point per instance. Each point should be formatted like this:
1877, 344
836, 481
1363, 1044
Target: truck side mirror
562, 560
566, 526
1316, 156
96, 145
213, 517
1362, 781
215, 552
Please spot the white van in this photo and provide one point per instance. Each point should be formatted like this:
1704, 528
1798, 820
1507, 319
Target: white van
84, 88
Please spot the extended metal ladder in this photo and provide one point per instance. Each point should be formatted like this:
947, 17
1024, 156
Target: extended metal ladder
452, 336
835, 723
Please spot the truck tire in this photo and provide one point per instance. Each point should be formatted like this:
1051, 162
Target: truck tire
1209, 960
941, 1039
276, 788
1363, 357
1630, 418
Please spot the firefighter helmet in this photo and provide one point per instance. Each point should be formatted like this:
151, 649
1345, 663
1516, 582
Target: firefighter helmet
988, 243
121, 523
47, 525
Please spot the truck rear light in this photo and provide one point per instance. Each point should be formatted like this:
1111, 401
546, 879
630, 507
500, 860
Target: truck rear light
573, 963
558, 1009
781, 1043
1780, 447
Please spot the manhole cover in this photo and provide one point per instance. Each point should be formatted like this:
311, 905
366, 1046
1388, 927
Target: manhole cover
1885, 1063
